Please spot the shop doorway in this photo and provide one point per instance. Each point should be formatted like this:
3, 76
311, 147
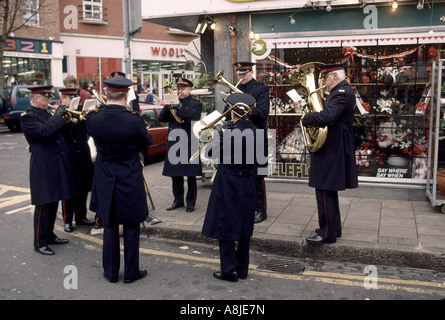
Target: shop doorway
156, 81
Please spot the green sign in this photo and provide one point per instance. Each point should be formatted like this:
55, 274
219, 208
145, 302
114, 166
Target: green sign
259, 47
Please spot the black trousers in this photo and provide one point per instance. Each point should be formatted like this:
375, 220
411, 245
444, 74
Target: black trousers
44, 219
76, 206
261, 202
178, 190
111, 251
328, 214
234, 258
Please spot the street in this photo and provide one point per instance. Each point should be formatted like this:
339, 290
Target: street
177, 270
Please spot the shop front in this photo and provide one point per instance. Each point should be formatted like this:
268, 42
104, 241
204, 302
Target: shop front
30, 61
390, 73
156, 64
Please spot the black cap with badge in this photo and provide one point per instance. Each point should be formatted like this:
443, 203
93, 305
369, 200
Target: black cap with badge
42, 90
118, 84
243, 67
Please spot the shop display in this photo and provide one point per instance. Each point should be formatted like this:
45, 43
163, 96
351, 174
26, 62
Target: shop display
392, 85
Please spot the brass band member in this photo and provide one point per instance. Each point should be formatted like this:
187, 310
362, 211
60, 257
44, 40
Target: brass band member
50, 171
231, 208
80, 155
259, 117
189, 109
118, 192
333, 167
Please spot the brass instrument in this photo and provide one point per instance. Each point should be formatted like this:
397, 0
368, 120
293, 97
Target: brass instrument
100, 97
69, 117
170, 90
307, 83
221, 80
209, 122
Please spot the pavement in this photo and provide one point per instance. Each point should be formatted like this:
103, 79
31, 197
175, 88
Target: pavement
381, 225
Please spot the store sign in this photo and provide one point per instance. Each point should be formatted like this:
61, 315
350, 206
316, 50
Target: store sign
166, 52
297, 170
29, 46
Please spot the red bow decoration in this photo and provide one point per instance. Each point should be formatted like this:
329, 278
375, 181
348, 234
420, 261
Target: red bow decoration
366, 106
383, 137
421, 106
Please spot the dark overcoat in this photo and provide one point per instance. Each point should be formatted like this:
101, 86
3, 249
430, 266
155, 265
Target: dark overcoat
188, 110
118, 184
333, 166
50, 170
80, 155
231, 207
260, 112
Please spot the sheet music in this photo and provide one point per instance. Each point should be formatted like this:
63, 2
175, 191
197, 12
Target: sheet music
89, 104
74, 104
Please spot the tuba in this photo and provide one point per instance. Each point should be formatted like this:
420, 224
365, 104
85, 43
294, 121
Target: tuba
306, 80
169, 88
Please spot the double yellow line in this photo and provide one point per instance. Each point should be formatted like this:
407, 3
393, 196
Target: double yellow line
412, 286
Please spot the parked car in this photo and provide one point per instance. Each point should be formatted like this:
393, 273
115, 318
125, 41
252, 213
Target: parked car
158, 130
14, 101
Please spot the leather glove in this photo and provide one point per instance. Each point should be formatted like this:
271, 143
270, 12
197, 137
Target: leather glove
61, 110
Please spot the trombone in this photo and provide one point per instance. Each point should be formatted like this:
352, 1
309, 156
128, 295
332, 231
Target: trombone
210, 121
170, 90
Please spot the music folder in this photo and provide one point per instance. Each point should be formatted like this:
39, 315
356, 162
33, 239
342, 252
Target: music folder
89, 104
74, 104
171, 99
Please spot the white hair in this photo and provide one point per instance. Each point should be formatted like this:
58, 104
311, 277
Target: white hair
340, 74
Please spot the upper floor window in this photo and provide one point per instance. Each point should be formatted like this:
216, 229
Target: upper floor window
92, 9
31, 13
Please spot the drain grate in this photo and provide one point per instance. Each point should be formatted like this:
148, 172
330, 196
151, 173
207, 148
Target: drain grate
284, 265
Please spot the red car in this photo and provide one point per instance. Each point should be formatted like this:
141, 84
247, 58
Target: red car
158, 130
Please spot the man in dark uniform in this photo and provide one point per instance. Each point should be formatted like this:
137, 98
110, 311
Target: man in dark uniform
50, 172
118, 193
76, 136
259, 117
333, 167
189, 109
231, 208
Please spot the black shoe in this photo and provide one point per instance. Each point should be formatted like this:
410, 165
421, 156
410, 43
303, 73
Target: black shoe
318, 240
338, 233
190, 209
85, 222
57, 240
233, 277
142, 274
68, 227
175, 206
45, 250
260, 216
112, 280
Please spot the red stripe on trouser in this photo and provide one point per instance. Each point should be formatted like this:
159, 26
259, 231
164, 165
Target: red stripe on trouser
326, 215
64, 210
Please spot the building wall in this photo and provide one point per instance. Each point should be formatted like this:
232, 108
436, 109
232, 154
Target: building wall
49, 24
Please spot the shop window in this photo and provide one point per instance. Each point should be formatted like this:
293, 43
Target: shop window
392, 84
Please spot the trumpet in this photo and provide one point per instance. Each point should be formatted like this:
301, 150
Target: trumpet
169, 88
70, 116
